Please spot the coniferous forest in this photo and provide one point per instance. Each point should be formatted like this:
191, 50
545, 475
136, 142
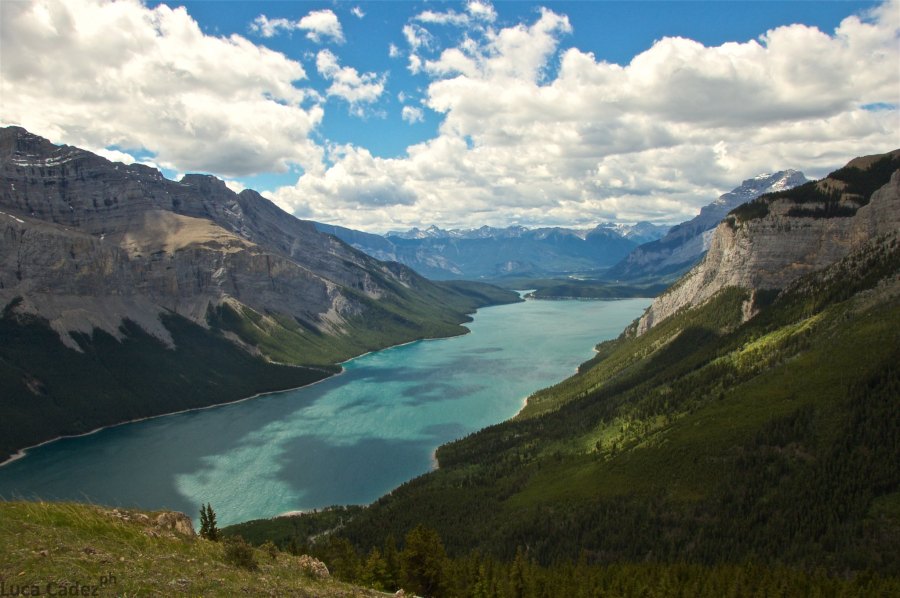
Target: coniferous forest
708, 455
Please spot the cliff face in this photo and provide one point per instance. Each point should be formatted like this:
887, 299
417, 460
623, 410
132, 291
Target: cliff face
86, 243
685, 243
774, 240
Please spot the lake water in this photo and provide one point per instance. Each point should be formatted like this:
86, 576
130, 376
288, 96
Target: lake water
347, 440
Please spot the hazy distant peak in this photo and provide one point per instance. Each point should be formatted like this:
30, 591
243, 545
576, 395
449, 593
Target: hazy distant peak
761, 184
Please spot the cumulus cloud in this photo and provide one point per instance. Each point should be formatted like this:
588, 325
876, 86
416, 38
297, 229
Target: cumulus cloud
318, 24
97, 74
357, 12
267, 27
412, 115
347, 83
321, 24
535, 135
476, 11
531, 132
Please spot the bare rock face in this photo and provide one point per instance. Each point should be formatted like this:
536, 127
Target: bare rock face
87, 243
685, 243
794, 235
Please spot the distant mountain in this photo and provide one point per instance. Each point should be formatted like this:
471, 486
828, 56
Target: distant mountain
746, 428
492, 253
685, 244
125, 294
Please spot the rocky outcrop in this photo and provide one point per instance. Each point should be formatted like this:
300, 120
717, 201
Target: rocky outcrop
684, 245
773, 241
86, 243
312, 567
178, 523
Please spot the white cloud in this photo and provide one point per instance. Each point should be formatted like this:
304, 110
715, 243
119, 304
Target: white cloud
522, 141
267, 27
443, 18
530, 133
393, 51
114, 155
476, 11
318, 24
347, 83
417, 36
322, 24
483, 11
415, 64
357, 12
412, 114
98, 74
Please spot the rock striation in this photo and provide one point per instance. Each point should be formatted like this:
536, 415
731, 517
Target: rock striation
87, 243
685, 244
779, 237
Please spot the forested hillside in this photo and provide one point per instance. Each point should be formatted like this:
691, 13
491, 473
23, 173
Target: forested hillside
763, 453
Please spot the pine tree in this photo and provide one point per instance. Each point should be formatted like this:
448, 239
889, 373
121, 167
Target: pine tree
204, 522
208, 527
422, 562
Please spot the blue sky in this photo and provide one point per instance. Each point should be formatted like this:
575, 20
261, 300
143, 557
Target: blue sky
384, 115
614, 31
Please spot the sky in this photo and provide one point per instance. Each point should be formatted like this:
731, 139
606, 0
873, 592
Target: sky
387, 115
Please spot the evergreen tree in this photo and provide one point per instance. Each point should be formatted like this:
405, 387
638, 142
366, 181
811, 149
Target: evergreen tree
208, 527
422, 562
204, 522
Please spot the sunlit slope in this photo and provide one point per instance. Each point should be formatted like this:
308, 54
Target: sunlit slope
705, 440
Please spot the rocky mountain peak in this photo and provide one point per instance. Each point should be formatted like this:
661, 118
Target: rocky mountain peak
758, 185
780, 236
86, 243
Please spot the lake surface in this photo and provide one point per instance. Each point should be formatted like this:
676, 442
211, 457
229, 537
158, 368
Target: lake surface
346, 440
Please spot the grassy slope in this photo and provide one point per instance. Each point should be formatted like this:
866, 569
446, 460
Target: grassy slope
71, 546
704, 440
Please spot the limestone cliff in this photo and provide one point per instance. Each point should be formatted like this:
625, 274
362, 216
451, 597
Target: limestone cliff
684, 245
772, 241
86, 244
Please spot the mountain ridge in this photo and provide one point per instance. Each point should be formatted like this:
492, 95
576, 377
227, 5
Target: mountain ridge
492, 253
761, 251
686, 243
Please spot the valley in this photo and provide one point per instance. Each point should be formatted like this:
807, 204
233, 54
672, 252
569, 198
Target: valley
751, 424
458, 299
348, 439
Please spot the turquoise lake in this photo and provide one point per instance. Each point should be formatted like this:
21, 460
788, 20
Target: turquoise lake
346, 440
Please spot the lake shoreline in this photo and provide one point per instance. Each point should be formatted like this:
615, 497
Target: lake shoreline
348, 442
23, 452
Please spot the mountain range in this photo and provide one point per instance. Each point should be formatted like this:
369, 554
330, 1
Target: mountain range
493, 253
633, 253
120, 289
746, 427
742, 436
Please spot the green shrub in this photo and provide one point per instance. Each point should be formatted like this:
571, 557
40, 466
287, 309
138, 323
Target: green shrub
239, 553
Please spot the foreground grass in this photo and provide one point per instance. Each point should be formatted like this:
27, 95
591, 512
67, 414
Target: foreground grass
61, 547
